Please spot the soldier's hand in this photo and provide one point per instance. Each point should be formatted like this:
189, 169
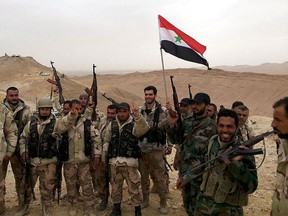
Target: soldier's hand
168, 150
173, 118
73, 112
135, 110
91, 104
168, 106
181, 183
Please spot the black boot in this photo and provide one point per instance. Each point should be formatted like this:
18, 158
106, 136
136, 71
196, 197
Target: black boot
138, 211
116, 210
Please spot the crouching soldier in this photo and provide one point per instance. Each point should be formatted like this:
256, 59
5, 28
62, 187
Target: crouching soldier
38, 144
123, 153
84, 140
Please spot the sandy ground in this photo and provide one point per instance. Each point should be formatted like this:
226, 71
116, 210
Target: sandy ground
259, 202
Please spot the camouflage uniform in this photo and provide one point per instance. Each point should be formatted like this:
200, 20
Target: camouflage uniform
77, 168
8, 142
21, 114
44, 167
125, 167
279, 199
225, 187
192, 153
152, 161
246, 131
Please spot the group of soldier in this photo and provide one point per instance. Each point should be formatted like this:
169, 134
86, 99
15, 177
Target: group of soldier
131, 144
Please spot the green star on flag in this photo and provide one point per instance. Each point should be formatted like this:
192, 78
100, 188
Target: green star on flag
178, 39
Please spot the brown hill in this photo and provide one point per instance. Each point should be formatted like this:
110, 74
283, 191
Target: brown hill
257, 91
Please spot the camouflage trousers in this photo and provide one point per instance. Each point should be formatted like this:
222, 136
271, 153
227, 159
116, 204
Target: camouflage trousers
2, 189
47, 176
132, 177
189, 196
79, 173
152, 164
206, 206
102, 182
18, 169
93, 173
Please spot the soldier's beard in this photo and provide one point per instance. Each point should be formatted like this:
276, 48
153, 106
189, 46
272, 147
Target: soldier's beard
44, 118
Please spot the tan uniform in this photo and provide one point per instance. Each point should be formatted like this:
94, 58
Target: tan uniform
280, 197
44, 168
21, 114
8, 141
77, 168
126, 167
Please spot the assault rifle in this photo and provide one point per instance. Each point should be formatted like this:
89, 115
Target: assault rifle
28, 181
93, 93
58, 167
190, 93
237, 150
57, 83
110, 99
177, 108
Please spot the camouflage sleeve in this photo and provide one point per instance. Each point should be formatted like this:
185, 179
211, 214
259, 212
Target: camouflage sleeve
63, 124
26, 115
95, 136
24, 138
10, 131
107, 138
141, 126
245, 173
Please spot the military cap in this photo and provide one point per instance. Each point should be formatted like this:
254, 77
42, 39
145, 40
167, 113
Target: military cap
186, 101
123, 105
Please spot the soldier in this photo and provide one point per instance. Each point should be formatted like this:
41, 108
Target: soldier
212, 111
8, 142
280, 125
21, 114
197, 130
84, 140
186, 112
102, 178
226, 183
153, 147
245, 130
38, 143
123, 153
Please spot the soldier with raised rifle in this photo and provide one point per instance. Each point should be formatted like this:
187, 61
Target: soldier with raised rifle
197, 130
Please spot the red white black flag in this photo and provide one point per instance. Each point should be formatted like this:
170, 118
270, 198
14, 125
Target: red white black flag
179, 44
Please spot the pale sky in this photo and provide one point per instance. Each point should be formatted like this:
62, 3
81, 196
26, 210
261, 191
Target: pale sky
121, 35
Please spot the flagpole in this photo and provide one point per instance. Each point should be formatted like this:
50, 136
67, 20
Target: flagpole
163, 70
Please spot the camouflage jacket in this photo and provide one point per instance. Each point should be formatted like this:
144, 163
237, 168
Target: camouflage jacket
140, 127
25, 115
246, 131
228, 183
77, 142
146, 146
280, 197
61, 125
8, 133
194, 147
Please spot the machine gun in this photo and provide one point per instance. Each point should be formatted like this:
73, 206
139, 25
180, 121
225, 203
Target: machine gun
177, 109
235, 151
110, 99
57, 83
93, 93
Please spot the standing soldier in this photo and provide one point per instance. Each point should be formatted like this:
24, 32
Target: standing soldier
8, 142
197, 130
84, 140
153, 145
38, 144
21, 114
123, 153
226, 183
212, 111
280, 125
102, 178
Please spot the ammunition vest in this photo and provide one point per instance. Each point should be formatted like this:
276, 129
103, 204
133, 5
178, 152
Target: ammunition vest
155, 134
219, 184
43, 146
124, 144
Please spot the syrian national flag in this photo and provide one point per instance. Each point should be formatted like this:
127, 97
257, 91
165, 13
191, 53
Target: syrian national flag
179, 44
